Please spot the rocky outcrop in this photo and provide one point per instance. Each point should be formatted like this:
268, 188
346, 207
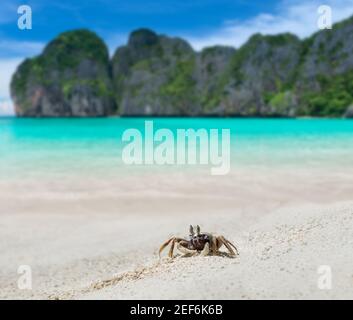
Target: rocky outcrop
69, 79
212, 65
153, 74
259, 76
324, 78
163, 76
269, 76
159, 75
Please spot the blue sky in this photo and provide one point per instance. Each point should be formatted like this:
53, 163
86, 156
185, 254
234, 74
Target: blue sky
114, 19
109, 17
201, 22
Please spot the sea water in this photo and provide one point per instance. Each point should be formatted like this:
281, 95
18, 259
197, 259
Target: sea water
93, 146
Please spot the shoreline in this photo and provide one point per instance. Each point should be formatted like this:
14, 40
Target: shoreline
182, 117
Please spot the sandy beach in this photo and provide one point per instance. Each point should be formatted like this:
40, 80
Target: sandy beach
122, 124
99, 238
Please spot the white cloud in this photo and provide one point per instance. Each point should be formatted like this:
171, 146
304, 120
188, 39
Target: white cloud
298, 17
7, 67
16, 51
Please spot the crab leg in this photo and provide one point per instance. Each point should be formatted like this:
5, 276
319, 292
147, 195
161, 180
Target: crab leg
235, 248
172, 241
170, 254
214, 245
205, 251
185, 250
165, 244
226, 243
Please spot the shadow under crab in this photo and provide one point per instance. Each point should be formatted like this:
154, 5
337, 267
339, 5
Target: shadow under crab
202, 244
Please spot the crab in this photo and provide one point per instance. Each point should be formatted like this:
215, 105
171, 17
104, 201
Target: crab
198, 243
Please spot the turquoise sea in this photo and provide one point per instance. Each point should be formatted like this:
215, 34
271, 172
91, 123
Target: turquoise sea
93, 146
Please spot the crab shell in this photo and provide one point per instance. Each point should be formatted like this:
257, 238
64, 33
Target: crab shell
200, 244
199, 241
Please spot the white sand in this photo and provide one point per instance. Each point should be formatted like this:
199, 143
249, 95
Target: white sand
99, 239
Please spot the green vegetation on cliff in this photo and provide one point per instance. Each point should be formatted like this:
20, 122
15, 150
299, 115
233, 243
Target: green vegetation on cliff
270, 75
333, 98
181, 86
70, 48
73, 67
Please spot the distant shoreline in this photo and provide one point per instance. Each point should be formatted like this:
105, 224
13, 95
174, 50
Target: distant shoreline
184, 117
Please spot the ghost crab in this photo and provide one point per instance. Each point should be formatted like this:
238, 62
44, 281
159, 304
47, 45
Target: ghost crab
198, 243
